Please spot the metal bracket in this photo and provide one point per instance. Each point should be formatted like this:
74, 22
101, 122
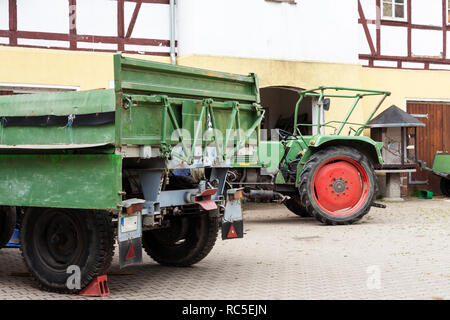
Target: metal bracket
410, 181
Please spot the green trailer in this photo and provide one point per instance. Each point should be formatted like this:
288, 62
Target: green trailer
144, 163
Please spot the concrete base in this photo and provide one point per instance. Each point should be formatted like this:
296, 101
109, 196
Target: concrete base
393, 192
389, 186
381, 185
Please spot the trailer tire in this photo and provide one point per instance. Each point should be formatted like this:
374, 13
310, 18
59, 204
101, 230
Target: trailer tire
7, 224
54, 239
189, 240
445, 187
295, 207
346, 185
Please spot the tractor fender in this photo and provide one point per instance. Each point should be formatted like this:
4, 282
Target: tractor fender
370, 148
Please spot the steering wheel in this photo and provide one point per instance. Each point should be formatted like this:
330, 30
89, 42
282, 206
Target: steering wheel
285, 134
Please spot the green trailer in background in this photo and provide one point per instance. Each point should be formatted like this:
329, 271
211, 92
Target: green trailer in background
80, 169
441, 168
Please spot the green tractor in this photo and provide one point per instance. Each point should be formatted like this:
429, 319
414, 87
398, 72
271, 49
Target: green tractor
330, 177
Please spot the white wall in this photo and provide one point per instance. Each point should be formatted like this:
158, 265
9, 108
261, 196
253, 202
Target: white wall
314, 30
4, 8
426, 42
394, 41
428, 12
43, 16
98, 17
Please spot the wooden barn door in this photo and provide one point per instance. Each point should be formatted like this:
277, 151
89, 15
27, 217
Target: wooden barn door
435, 136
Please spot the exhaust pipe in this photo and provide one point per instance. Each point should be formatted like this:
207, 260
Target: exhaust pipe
267, 195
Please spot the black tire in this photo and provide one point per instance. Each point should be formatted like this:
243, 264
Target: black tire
445, 187
294, 205
54, 239
7, 224
187, 241
365, 171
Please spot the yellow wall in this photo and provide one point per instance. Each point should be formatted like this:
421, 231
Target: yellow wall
93, 70
408, 84
87, 70
411, 84
300, 74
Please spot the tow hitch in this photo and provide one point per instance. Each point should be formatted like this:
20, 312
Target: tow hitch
378, 205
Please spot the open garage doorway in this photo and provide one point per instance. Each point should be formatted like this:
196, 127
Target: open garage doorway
279, 103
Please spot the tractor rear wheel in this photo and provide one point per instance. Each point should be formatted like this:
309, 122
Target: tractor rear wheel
55, 239
295, 206
445, 187
338, 185
187, 241
7, 224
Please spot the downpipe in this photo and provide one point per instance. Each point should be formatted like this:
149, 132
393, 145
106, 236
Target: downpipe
173, 57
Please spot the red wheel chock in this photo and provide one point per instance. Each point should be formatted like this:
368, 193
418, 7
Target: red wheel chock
97, 288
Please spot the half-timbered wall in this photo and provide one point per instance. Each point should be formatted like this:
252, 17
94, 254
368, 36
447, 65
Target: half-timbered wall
408, 34
133, 26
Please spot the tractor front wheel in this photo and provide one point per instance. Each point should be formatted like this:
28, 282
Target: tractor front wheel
295, 206
337, 185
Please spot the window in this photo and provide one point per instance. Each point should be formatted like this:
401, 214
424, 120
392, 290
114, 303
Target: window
395, 9
448, 12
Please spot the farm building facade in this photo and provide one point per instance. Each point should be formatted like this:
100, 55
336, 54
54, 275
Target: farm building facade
398, 45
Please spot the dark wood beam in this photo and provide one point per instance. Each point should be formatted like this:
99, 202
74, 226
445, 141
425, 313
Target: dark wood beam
405, 59
405, 24
12, 22
156, 53
120, 24
86, 38
378, 20
73, 23
134, 18
151, 1
409, 22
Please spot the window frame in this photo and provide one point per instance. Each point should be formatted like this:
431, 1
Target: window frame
393, 18
448, 13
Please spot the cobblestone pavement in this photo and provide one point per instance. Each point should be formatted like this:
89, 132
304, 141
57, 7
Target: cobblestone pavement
397, 253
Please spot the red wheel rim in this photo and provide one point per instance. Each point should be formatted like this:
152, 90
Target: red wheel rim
340, 186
